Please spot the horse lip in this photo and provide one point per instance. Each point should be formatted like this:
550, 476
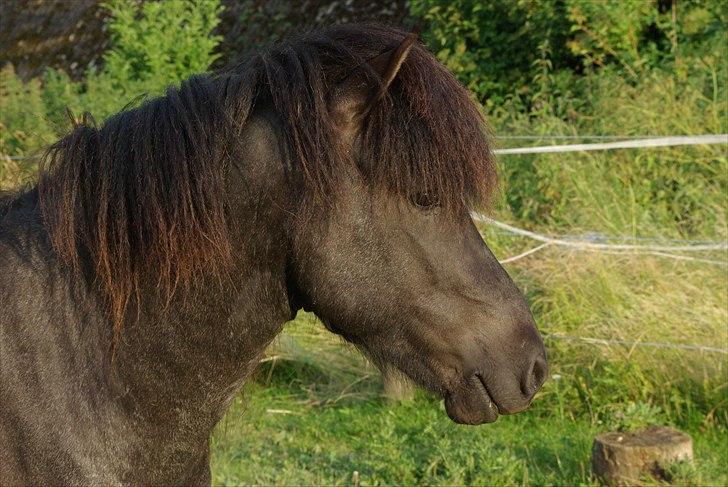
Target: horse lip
487, 392
469, 403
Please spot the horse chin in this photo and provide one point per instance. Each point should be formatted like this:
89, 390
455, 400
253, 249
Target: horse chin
471, 403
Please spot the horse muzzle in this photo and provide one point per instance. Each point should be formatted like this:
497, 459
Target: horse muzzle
481, 398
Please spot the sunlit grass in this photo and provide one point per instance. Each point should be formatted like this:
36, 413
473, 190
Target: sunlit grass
315, 413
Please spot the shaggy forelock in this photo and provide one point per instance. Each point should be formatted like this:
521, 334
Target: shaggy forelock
425, 136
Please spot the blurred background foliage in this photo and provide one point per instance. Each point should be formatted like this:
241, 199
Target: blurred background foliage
568, 68
152, 45
537, 68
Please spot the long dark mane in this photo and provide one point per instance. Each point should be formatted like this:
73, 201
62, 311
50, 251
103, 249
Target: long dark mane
143, 196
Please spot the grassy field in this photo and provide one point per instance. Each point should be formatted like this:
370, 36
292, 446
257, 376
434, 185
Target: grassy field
412, 444
315, 415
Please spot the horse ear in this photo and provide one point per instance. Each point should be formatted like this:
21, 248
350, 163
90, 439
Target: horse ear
387, 66
358, 96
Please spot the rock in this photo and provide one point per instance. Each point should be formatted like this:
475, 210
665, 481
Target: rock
623, 458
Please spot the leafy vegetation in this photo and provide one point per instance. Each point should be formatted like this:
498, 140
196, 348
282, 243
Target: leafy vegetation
615, 68
314, 415
153, 45
566, 68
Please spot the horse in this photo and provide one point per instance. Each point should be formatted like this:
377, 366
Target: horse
158, 254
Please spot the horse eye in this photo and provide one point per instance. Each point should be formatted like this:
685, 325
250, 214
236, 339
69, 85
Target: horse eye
425, 201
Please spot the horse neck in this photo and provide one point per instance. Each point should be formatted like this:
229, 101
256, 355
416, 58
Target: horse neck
181, 364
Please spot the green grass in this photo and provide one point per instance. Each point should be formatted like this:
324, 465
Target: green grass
315, 415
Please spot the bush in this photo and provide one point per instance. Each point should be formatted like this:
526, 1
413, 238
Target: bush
23, 127
492, 46
581, 67
153, 45
499, 48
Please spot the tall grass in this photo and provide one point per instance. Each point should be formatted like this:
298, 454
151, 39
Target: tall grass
658, 193
670, 192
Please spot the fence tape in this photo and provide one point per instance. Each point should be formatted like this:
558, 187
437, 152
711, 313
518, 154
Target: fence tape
581, 137
611, 341
600, 237
618, 252
630, 143
623, 144
525, 254
585, 244
721, 263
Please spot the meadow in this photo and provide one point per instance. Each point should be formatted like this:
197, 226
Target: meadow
314, 413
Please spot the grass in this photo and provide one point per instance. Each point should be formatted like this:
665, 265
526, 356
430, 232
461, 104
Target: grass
315, 415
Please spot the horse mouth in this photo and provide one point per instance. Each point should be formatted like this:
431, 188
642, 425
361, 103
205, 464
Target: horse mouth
471, 403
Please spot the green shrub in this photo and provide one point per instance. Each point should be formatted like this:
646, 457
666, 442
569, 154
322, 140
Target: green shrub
168, 40
498, 48
492, 46
582, 67
153, 45
23, 127
631, 33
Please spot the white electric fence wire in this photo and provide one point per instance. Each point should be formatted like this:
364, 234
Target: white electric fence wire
606, 248
611, 341
622, 250
526, 253
721, 263
585, 244
629, 143
619, 252
600, 237
580, 137
623, 144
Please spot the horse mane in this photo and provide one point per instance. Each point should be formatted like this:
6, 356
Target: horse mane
144, 196
141, 194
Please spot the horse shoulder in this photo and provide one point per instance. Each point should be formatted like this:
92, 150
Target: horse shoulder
44, 429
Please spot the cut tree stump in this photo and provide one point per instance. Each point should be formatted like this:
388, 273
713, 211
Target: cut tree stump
397, 386
623, 458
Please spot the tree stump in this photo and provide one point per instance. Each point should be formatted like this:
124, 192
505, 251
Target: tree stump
397, 386
623, 458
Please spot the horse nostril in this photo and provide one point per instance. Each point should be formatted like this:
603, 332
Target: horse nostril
534, 378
